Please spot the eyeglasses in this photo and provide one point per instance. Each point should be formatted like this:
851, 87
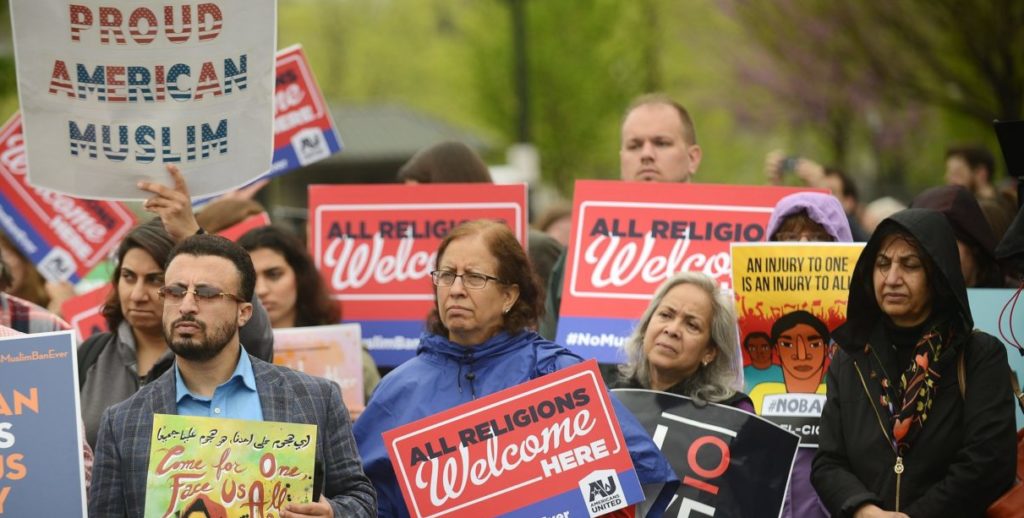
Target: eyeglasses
470, 280
175, 293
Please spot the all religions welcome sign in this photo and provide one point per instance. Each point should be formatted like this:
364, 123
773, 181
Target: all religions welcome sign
551, 445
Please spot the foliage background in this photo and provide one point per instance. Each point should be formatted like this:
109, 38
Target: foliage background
878, 88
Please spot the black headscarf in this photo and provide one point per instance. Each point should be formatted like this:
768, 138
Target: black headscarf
942, 264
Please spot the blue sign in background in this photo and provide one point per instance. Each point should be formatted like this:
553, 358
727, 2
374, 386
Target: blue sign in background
15, 225
286, 157
391, 342
595, 337
49, 441
986, 305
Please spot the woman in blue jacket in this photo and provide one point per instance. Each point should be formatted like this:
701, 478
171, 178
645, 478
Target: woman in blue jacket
479, 341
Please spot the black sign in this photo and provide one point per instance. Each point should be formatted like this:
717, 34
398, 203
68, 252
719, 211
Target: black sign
730, 463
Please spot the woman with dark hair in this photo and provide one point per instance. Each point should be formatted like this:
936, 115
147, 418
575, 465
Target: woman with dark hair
686, 344
289, 286
919, 418
479, 340
287, 281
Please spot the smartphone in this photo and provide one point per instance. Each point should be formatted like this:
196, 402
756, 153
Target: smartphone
788, 164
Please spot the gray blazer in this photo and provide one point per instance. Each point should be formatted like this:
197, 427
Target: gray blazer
122, 450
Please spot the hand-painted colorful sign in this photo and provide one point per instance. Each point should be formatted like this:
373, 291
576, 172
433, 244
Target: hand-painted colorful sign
112, 92
550, 445
64, 237
376, 245
41, 469
789, 299
621, 251
331, 352
240, 468
304, 131
84, 312
732, 464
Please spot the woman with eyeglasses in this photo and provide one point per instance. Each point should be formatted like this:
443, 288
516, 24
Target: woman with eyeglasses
480, 339
113, 365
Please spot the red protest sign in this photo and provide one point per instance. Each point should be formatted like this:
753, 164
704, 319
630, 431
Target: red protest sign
375, 246
65, 237
84, 312
629, 237
304, 131
549, 445
238, 229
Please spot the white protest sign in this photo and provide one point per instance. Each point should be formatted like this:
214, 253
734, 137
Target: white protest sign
112, 91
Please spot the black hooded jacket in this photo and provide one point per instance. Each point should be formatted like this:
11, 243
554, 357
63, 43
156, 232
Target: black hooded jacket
965, 455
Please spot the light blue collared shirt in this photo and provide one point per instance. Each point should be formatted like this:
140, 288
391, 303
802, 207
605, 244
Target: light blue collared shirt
236, 398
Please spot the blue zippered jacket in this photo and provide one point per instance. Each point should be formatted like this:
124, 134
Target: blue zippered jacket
444, 375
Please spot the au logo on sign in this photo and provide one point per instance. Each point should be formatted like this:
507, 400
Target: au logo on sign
603, 492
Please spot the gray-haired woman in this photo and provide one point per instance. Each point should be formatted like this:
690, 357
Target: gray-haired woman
686, 344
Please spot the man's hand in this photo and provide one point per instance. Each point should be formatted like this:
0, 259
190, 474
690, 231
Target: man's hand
173, 205
319, 508
808, 171
772, 161
247, 192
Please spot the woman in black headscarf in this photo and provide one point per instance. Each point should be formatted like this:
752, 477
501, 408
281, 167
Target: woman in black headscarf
900, 433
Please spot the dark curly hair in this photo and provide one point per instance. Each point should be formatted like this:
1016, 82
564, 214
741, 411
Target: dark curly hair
313, 303
513, 268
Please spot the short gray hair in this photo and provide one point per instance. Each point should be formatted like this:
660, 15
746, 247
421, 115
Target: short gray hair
719, 380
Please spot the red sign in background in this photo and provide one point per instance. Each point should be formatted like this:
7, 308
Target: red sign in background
84, 314
630, 237
239, 229
375, 244
621, 251
65, 237
304, 131
506, 451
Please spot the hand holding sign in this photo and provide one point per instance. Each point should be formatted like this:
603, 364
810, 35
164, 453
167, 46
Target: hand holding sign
318, 508
172, 204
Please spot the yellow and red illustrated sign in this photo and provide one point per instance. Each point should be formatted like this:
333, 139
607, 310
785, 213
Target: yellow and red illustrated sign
789, 299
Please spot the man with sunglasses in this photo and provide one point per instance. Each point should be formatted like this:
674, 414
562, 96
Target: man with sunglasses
208, 283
